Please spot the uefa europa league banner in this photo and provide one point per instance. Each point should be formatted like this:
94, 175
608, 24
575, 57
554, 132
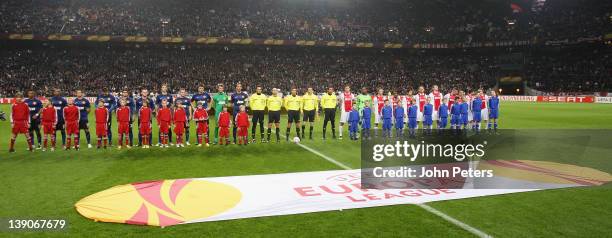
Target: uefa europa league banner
181, 201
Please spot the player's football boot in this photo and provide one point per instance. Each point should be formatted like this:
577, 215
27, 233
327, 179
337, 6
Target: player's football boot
128, 146
11, 150
187, 143
119, 147
207, 145
89, 146
52, 148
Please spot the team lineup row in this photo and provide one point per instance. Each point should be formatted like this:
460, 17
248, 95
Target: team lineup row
175, 113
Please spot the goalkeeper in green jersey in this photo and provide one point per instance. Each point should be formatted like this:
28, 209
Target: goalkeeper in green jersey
363, 99
219, 100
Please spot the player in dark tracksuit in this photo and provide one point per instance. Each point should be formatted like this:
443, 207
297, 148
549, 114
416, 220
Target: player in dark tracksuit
59, 103
164, 95
185, 101
84, 107
110, 102
35, 106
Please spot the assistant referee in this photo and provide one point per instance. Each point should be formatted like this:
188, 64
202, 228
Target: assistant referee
329, 101
257, 102
310, 106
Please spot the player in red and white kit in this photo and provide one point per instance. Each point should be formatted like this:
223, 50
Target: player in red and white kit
49, 121
484, 109
102, 116
164, 118
346, 106
242, 121
378, 101
436, 99
200, 116
421, 100
124, 114
72, 116
20, 121
450, 98
179, 120
224, 123
144, 127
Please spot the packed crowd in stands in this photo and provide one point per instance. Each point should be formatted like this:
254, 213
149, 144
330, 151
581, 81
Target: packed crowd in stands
114, 67
445, 21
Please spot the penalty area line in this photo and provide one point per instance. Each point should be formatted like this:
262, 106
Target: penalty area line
426, 207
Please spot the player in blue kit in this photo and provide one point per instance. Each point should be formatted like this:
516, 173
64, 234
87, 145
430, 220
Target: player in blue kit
353, 122
476, 115
456, 115
399, 113
428, 116
412, 117
164, 95
493, 110
35, 106
238, 98
185, 101
131, 104
84, 107
387, 115
110, 102
59, 103
442, 115
144, 99
366, 121
204, 98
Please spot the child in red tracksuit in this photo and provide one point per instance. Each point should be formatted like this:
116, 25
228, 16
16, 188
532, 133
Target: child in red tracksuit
49, 120
180, 117
124, 115
102, 116
242, 121
200, 116
224, 123
72, 115
20, 121
144, 116
164, 118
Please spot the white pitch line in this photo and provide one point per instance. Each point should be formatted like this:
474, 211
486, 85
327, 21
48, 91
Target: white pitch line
436, 212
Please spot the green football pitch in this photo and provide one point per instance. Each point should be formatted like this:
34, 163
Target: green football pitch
48, 184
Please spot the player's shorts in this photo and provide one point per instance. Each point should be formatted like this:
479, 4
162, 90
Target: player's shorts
34, 123
258, 116
223, 131
412, 123
164, 127
419, 116
83, 125
344, 116
243, 131
179, 128
145, 128
399, 123
293, 116
20, 127
434, 115
101, 129
60, 125
72, 128
377, 118
309, 116
494, 113
202, 127
428, 120
464, 119
48, 128
484, 114
387, 124
273, 116
123, 128
476, 116
442, 122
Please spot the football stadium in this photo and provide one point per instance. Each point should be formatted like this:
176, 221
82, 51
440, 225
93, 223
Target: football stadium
306, 118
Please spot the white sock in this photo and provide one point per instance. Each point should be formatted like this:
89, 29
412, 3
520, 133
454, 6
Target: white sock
340, 131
